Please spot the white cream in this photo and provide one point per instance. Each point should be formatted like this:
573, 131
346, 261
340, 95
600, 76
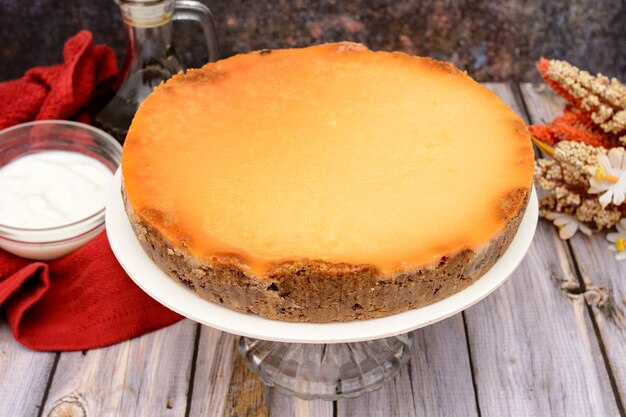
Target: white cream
51, 188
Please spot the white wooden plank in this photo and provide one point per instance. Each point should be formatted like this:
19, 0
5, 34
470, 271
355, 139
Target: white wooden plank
533, 347
542, 103
605, 292
223, 386
280, 405
441, 372
604, 277
438, 381
24, 375
214, 369
146, 376
246, 393
394, 399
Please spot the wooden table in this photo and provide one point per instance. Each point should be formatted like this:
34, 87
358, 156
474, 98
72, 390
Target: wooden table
550, 342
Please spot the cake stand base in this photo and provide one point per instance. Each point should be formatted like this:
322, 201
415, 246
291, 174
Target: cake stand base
326, 371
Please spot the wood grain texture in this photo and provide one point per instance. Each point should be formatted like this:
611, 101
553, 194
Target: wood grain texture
604, 278
281, 405
215, 363
533, 347
246, 393
394, 399
146, 376
605, 293
24, 374
437, 381
441, 381
223, 385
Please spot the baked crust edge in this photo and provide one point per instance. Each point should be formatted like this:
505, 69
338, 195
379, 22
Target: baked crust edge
318, 291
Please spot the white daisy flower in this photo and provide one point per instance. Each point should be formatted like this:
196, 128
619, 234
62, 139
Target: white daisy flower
618, 240
609, 177
568, 225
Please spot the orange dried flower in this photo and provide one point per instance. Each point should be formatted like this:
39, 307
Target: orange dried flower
572, 126
545, 133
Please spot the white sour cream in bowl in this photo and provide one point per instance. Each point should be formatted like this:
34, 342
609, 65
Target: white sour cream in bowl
54, 180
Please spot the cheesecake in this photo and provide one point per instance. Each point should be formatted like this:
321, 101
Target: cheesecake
326, 183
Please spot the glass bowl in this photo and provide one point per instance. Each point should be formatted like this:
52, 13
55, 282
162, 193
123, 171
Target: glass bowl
28, 138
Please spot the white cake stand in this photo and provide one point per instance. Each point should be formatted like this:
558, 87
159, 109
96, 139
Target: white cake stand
310, 360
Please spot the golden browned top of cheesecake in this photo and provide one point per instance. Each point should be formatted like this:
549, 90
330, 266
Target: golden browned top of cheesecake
332, 153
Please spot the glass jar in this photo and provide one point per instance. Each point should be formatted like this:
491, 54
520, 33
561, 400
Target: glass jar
151, 57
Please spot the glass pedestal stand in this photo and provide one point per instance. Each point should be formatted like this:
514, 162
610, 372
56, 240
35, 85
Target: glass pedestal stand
326, 371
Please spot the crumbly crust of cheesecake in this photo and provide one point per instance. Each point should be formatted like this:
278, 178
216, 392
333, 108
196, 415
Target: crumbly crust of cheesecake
317, 291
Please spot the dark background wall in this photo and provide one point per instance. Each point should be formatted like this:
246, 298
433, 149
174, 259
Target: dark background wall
492, 40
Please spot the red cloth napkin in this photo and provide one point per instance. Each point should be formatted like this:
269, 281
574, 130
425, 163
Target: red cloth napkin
83, 300
61, 91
